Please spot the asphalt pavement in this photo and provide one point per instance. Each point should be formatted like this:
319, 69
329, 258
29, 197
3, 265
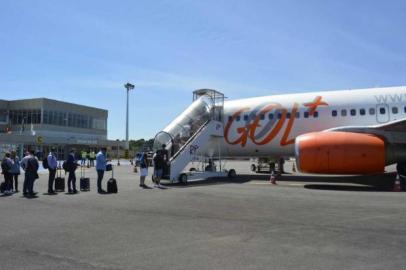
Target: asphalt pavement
303, 222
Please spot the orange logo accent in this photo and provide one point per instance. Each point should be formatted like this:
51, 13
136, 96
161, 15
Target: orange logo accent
314, 104
265, 133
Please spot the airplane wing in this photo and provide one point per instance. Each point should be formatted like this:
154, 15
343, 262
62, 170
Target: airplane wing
394, 132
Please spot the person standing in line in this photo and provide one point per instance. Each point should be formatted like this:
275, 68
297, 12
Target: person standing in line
83, 155
23, 165
30, 165
88, 158
101, 163
71, 165
143, 169
52, 166
6, 166
158, 167
92, 157
15, 170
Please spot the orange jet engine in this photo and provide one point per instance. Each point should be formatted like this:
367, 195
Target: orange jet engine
340, 153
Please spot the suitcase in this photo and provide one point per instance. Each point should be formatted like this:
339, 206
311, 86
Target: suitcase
112, 183
84, 181
59, 180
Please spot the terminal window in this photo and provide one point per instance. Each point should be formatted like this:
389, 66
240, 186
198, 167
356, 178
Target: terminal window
18, 117
353, 112
3, 116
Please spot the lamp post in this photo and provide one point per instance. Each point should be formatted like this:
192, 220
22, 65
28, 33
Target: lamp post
118, 152
129, 87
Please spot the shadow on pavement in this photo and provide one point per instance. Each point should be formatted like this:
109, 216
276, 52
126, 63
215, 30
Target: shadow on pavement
369, 183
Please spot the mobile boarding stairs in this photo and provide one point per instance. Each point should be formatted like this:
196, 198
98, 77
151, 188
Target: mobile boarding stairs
196, 135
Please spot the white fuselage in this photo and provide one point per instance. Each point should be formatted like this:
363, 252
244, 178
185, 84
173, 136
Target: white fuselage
267, 126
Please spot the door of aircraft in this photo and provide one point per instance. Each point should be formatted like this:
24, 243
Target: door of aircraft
382, 113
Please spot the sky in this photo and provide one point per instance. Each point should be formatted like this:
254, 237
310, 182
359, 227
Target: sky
85, 51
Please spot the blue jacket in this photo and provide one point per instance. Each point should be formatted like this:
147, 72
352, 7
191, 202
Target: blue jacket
15, 168
101, 161
52, 162
71, 161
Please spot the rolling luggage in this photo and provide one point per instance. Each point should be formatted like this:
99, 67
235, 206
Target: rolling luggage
84, 181
112, 183
59, 180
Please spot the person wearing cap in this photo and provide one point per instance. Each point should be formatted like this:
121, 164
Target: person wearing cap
52, 166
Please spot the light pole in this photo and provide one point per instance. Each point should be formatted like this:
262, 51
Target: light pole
118, 152
129, 87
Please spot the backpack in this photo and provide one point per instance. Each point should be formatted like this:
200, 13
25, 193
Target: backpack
65, 166
32, 167
45, 163
158, 160
143, 161
5, 167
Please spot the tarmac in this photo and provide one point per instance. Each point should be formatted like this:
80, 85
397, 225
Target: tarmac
303, 222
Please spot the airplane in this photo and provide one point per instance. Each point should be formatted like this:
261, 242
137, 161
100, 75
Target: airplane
328, 132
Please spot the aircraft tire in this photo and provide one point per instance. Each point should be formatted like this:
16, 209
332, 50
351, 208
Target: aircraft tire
253, 167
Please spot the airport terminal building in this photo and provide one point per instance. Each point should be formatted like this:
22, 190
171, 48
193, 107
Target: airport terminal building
42, 123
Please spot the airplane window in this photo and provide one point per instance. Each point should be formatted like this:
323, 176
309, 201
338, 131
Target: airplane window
306, 114
362, 111
334, 113
371, 111
279, 115
316, 114
353, 112
405, 109
270, 116
288, 115
382, 110
343, 112
394, 110
230, 118
262, 116
298, 114
238, 118
245, 117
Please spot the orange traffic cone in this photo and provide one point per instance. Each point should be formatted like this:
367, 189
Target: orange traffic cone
272, 178
396, 186
293, 167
